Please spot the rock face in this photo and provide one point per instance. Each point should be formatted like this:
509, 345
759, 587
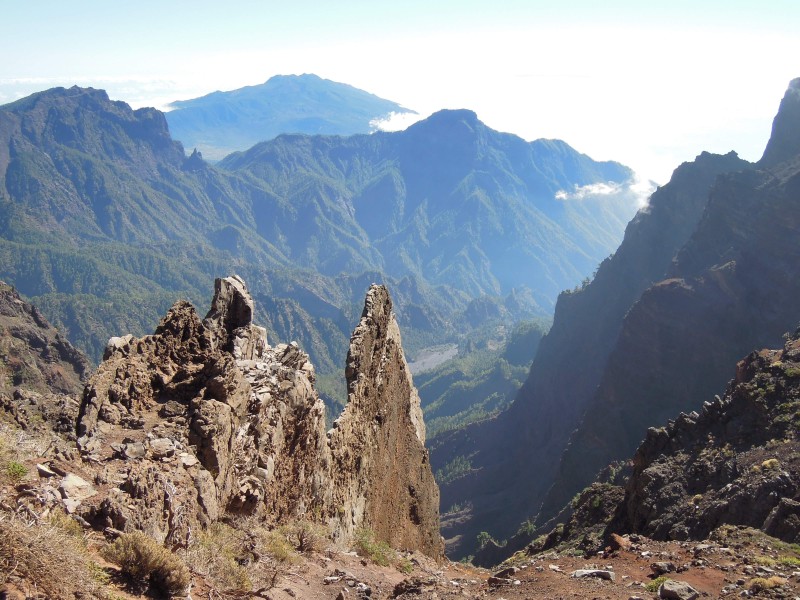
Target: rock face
203, 418
709, 272
735, 461
515, 457
381, 473
34, 355
41, 373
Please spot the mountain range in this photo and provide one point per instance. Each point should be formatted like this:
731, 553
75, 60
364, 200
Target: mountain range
104, 220
223, 122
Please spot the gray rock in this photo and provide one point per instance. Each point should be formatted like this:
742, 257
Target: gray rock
597, 573
75, 488
662, 567
677, 590
162, 448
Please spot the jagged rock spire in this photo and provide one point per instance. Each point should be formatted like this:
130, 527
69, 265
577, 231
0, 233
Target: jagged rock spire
381, 468
235, 426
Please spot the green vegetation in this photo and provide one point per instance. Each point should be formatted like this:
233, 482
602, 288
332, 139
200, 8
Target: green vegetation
106, 231
480, 382
15, 471
144, 560
378, 552
653, 585
457, 467
483, 539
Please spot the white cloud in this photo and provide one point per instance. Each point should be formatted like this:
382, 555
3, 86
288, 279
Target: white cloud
395, 121
592, 189
638, 190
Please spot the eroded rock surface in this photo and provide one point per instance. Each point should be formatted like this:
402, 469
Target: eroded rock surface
204, 418
381, 473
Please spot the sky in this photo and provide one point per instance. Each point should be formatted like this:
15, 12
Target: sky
649, 84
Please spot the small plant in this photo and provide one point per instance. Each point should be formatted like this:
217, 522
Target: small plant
696, 499
16, 471
378, 552
483, 539
404, 565
279, 547
146, 561
306, 536
765, 561
758, 584
789, 561
65, 523
653, 586
770, 463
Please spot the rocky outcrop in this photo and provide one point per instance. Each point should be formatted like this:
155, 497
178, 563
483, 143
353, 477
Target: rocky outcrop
381, 474
204, 418
735, 461
33, 355
41, 373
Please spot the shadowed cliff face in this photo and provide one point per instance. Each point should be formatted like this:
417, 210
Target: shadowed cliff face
709, 271
515, 456
733, 287
237, 428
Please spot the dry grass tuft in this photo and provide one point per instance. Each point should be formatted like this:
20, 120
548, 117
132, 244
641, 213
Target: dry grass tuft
758, 584
48, 561
144, 560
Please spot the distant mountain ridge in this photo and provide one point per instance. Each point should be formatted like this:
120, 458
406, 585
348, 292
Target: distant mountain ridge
104, 221
223, 122
448, 200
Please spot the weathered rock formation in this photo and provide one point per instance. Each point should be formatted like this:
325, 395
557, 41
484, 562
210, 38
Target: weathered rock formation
381, 475
735, 461
204, 418
32, 353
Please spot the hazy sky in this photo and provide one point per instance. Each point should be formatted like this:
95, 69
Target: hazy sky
649, 84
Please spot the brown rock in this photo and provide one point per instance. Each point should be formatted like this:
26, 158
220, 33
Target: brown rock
381, 474
255, 426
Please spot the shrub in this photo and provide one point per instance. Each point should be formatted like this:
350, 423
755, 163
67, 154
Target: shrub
305, 536
144, 560
758, 584
770, 463
16, 471
789, 561
217, 553
653, 586
378, 552
55, 563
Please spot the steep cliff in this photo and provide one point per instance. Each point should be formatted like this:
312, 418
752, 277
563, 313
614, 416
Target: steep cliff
207, 419
381, 473
706, 273
34, 355
732, 287
514, 458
